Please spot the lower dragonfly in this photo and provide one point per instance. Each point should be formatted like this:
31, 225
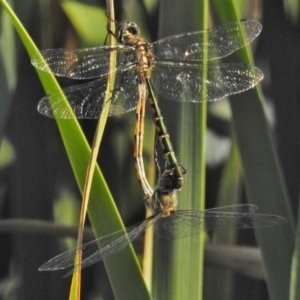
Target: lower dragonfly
168, 223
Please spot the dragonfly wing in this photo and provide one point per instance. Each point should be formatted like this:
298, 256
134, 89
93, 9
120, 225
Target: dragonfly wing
236, 208
117, 244
86, 63
98, 249
180, 224
183, 82
86, 101
230, 221
184, 223
219, 42
126, 93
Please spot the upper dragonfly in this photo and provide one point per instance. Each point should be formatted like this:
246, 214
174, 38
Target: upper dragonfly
172, 66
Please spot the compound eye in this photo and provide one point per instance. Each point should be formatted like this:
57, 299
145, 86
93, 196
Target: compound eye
125, 27
133, 28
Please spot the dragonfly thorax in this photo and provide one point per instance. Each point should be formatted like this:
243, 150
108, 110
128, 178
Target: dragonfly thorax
163, 199
144, 59
127, 33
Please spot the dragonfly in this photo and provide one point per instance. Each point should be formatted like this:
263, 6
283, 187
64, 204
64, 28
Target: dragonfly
172, 67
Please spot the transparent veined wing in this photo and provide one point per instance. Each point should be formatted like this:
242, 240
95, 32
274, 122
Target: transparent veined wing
177, 225
183, 81
183, 223
86, 63
219, 41
235, 208
98, 249
87, 100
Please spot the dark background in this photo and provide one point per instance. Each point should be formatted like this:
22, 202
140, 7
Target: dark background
41, 169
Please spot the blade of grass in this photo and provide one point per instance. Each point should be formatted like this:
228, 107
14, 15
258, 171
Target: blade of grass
102, 210
76, 280
181, 264
263, 179
8, 70
85, 18
295, 269
193, 196
228, 194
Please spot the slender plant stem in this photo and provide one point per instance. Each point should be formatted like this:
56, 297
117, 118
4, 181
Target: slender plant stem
76, 281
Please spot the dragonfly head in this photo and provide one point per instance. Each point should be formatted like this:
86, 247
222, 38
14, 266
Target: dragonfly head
172, 177
125, 30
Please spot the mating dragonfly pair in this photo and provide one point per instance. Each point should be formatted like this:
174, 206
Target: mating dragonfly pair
172, 67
